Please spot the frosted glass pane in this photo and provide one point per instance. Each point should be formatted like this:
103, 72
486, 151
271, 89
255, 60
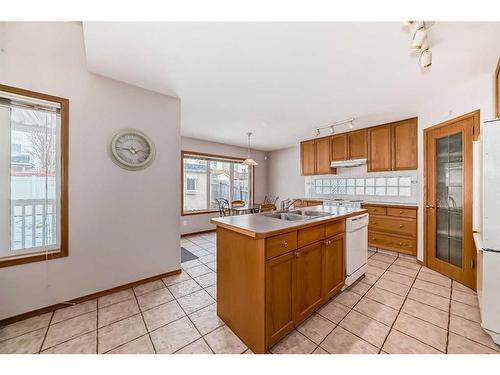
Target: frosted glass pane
360, 182
326, 189
404, 181
380, 181
370, 190
351, 182
370, 182
405, 192
334, 183
392, 190
360, 190
319, 189
392, 181
350, 190
334, 190
380, 190
341, 189
326, 183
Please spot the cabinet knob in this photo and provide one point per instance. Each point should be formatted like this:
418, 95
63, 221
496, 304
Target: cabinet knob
284, 244
401, 212
400, 244
401, 225
297, 254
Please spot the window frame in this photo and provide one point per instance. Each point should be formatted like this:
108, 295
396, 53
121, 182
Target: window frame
251, 183
63, 250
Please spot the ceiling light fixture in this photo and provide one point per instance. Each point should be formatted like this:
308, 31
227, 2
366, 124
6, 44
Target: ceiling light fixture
331, 127
317, 133
249, 161
351, 125
420, 41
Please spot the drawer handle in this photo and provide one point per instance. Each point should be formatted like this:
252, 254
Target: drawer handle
401, 212
401, 244
328, 242
401, 225
284, 244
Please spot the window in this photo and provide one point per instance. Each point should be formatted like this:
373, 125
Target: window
207, 178
33, 176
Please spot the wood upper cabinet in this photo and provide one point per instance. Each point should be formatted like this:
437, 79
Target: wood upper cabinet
356, 142
307, 158
280, 279
380, 148
308, 282
404, 145
338, 146
333, 266
323, 155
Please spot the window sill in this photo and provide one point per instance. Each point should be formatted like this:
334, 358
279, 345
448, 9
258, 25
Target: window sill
30, 258
200, 212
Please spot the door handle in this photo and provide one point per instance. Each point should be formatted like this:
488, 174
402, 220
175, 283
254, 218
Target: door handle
430, 206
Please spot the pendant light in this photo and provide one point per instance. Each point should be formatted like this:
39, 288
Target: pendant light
249, 161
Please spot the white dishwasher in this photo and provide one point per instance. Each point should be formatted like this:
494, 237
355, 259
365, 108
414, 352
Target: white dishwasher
356, 247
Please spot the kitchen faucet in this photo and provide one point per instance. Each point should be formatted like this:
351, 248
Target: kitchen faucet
287, 203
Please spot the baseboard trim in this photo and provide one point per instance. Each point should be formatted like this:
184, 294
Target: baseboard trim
87, 297
200, 232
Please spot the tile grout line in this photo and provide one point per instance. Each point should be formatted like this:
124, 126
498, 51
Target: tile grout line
352, 308
46, 333
143, 320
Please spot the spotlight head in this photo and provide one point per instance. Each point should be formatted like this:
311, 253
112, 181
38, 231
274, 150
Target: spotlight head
418, 38
332, 130
426, 58
317, 133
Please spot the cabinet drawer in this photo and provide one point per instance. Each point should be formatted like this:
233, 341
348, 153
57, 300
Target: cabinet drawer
281, 244
386, 241
310, 235
404, 226
332, 229
402, 212
376, 210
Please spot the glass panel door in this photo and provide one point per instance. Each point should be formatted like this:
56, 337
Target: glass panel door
449, 186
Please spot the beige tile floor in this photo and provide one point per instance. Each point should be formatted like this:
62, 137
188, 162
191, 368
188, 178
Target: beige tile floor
397, 307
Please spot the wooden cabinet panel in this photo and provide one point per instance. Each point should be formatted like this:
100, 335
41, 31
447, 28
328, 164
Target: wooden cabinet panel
309, 235
308, 283
357, 144
380, 148
333, 266
332, 229
392, 242
404, 149
323, 156
375, 210
280, 279
280, 244
314, 203
403, 226
307, 158
338, 146
402, 212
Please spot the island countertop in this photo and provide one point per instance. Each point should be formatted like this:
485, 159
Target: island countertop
260, 226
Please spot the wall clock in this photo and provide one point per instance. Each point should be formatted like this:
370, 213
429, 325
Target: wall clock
132, 149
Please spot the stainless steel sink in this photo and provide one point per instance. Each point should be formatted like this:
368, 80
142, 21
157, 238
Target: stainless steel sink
286, 216
310, 213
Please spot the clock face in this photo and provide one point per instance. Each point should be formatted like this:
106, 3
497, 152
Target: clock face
132, 149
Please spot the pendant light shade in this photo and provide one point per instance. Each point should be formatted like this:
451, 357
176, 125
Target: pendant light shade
249, 161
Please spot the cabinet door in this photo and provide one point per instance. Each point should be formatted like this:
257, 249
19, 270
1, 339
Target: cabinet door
280, 277
308, 280
338, 146
357, 144
333, 266
404, 140
323, 156
379, 148
307, 158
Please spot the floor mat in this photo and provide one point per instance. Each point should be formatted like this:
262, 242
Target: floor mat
186, 255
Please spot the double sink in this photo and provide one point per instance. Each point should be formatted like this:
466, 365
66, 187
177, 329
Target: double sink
296, 215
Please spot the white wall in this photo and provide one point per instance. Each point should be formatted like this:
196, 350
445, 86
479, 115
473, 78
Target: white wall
123, 226
198, 223
284, 179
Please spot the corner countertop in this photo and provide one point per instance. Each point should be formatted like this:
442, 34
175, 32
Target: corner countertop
260, 226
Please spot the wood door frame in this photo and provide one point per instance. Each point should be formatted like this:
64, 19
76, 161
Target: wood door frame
475, 115
497, 94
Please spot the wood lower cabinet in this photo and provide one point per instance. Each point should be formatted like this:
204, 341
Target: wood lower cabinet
280, 280
308, 280
393, 228
333, 266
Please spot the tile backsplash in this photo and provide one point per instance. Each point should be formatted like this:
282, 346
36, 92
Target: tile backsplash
357, 183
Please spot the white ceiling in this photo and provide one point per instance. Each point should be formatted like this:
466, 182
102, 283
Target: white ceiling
281, 80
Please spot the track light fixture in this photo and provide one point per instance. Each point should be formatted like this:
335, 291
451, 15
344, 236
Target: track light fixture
420, 41
331, 127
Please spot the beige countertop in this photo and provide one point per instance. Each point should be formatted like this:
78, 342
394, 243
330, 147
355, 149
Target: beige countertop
260, 226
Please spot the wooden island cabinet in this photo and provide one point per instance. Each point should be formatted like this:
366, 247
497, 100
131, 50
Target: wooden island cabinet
272, 278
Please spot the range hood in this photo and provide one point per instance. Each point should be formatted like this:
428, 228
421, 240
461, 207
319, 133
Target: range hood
348, 163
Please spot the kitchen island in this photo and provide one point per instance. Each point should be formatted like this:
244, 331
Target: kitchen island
275, 269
